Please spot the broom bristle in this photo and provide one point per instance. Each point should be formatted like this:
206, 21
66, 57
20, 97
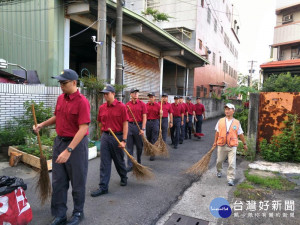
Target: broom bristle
43, 185
149, 149
169, 132
141, 172
202, 165
161, 145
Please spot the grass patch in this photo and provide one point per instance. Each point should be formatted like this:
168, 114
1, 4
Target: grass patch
247, 191
295, 177
276, 183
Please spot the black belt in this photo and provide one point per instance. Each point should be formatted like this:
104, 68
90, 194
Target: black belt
134, 122
116, 133
65, 138
199, 115
152, 120
177, 116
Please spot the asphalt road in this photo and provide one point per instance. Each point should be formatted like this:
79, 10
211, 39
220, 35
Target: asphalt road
139, 202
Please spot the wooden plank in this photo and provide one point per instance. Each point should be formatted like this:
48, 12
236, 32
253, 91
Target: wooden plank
30, 159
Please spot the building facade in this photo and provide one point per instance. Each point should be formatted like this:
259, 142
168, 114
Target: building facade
286, 43
208, 27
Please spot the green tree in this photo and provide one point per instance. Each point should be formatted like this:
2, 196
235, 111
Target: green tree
283, 82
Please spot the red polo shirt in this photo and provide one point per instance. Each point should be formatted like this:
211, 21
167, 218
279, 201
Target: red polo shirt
166, 107
138, 109
190, 107
177, 109
153, 111
185, 108
71, 111
199, 109
112, 116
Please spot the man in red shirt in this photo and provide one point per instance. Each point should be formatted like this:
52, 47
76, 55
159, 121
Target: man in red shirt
178, 119
182, 130
200, 115
113, 115
139, 110
167, 110
189, 119
70, 149
152, 126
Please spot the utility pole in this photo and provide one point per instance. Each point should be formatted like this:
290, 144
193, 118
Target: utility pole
251, 72
101, 36
119, 60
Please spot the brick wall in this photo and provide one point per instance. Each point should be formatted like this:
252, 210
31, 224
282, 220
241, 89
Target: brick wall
12, 97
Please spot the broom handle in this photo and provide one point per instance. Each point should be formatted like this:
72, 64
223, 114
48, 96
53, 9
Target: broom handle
133, 118
119, 142
159, 114
38, 134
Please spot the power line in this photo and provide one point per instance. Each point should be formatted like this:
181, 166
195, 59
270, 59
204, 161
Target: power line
29, 38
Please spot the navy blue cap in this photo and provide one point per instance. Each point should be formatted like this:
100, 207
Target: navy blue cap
176, 97
165, 94
151, 94
67, 74
134, 90
108, 88
188, 98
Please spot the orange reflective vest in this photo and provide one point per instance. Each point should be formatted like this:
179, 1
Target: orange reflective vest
231, 137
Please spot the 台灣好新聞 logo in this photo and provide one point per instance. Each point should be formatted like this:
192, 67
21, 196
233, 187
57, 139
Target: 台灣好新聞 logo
219, 208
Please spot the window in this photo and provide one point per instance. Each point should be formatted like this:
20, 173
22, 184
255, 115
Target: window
215, 25
220, 59
221, 30
198, 91
208, 15
287, 18
202, 3
295, 52
214, 59
200, 44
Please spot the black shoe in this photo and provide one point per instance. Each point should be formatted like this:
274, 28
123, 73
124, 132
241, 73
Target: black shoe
123, 182
129, 169
180, 142
99, 192
59, 221
175, 147
152, 158
75, 219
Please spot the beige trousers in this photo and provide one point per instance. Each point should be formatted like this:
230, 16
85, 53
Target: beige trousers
224, 151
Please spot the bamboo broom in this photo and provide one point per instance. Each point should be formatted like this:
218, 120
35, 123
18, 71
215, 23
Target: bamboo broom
43, 185
160, 144
139, 171
149, 149
202, 165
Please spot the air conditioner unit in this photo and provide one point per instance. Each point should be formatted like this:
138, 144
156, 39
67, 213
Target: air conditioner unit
287, 18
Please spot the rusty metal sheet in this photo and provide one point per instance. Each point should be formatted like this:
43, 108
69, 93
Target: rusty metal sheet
141, 70
273, 110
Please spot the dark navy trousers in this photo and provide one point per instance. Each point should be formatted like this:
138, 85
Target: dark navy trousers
175, 130
134, 138
182, 130
74, 170
199, 124
152, 130
164, 128
189, 127
110, 151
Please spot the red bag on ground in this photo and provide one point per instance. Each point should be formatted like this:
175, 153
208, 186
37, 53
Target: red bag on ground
14, 208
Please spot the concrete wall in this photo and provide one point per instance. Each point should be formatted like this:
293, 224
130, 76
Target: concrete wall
253, 117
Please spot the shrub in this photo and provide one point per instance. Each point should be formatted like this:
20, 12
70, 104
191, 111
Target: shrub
285, 146
283, 82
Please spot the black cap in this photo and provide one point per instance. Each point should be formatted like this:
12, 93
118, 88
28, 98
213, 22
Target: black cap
165, 94
180, 96
67, 74
151, 94
134, 90
176, 97
108, 88
188, 98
